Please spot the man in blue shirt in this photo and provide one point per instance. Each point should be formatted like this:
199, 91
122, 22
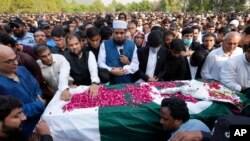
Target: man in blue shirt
18, 82
175, 117
19, 34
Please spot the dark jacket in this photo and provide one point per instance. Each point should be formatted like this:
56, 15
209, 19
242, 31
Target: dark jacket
160, 70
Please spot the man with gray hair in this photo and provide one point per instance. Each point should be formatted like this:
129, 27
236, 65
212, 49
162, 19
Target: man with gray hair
217, 58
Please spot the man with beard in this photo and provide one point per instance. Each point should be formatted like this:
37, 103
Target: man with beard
83, 65
175, 117
40, 37
45, 27
152, 59
12, 119
119, 55
18, 82
19, 34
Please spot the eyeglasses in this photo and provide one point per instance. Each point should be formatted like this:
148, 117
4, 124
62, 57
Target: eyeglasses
10, 61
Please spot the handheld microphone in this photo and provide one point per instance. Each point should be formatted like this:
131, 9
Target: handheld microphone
121, 51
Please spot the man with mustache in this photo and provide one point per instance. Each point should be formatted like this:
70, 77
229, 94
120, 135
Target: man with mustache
119, 55
12, 119
19, 34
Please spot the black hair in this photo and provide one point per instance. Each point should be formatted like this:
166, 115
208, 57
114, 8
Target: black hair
100, 22
122, 14
71, 36
7, 104
246, 47
196, 27
178, 108
155, 39
247, 30
39, 48
106, 32
81, 34
58, 32
85, 24
6, 39
198, 57
187, 31
168, 32
209, 35
166, 20
93, 31
177, 44
224, 30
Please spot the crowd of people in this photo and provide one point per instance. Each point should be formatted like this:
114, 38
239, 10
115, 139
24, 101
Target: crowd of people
44, 54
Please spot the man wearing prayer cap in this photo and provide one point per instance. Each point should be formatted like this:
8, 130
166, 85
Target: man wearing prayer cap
119, 55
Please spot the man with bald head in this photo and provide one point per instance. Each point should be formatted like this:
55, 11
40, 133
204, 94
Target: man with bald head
18, 82
217, 58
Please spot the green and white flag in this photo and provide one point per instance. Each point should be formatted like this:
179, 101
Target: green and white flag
120, 123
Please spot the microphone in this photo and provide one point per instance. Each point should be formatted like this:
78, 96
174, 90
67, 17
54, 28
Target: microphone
121, 51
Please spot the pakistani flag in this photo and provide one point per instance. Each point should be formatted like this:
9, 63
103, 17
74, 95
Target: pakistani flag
121, 123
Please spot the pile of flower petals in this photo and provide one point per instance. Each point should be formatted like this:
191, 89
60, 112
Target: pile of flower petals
170, 84
181, 96
110, 97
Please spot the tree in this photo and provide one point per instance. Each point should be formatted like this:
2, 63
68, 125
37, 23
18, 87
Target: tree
145, 5
120, 7
134, 6
97, 6
5, 6
22, 6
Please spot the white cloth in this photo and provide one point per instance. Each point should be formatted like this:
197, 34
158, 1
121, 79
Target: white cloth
236, 73
193, 70
57, 75
129, 69
77, 125
120, 24
92, 64
152, 60
214, 61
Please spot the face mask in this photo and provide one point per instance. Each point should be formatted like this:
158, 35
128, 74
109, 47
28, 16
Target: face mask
187, 42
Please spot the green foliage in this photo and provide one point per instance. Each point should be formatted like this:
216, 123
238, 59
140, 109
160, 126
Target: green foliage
52, 6
120, 7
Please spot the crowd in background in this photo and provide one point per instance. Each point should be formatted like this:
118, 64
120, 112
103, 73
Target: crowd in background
58, 51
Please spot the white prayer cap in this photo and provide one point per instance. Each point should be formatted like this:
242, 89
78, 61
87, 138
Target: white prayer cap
235, 22
119, 24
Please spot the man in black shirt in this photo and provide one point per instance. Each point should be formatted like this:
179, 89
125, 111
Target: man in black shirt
83, 64
58, 34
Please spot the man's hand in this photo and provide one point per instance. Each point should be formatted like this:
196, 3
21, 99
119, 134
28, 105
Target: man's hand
93, 90
42, 128
19, 47
65, 95
153, 79
118, 71
41, 99
124, 59
188, 136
